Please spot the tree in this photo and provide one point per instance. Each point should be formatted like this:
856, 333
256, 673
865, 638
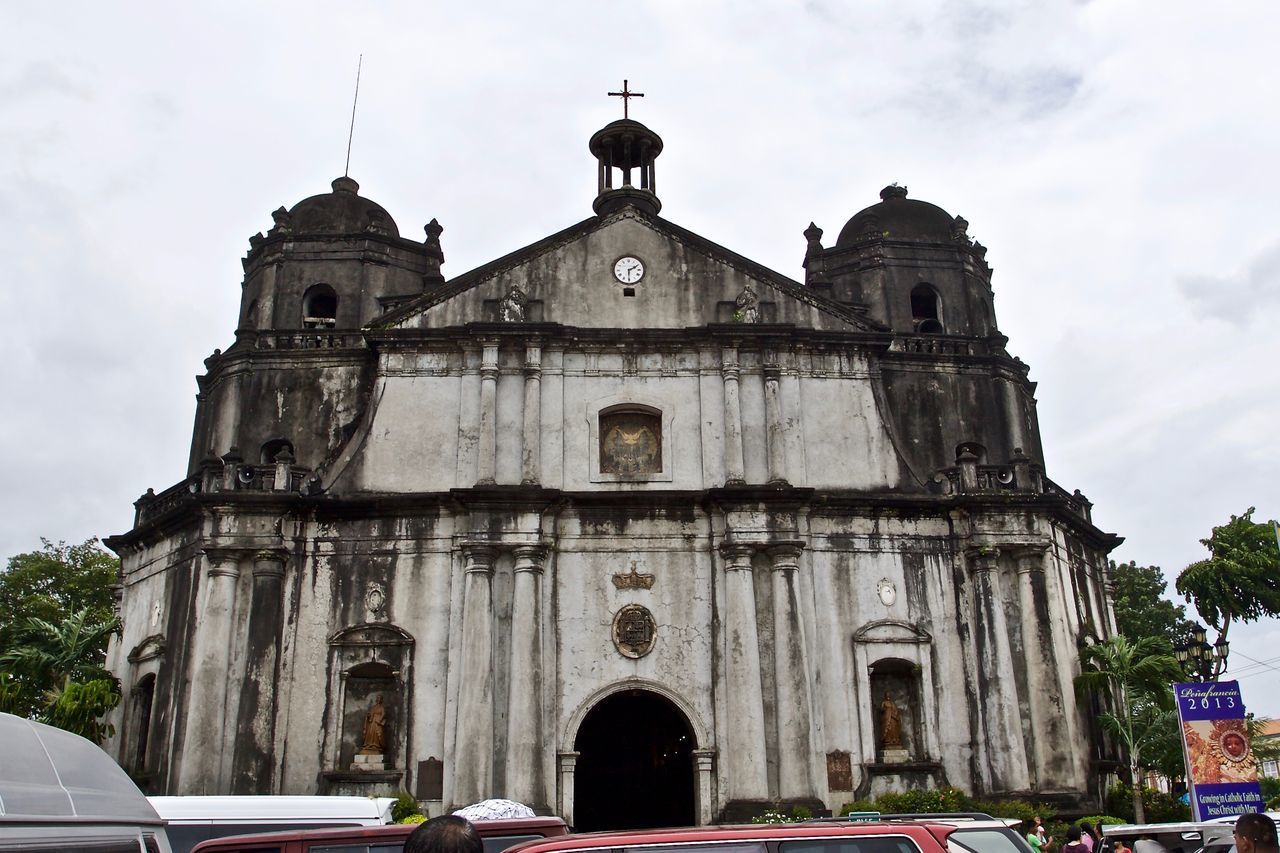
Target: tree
1135, 677
53, 583
1240, 582
1142, 610
59, 616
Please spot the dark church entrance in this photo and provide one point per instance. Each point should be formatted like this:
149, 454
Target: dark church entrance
635, 765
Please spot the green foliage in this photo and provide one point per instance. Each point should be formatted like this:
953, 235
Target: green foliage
1273, 804
950, 800
772, 817
1240, 581
404, 808
59, 616
1142, 610
1094, 820
1270, 787
1134, 677
1158, 806
413, 818
53, 583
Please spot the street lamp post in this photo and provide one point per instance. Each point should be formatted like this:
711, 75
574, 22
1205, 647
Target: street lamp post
1199, 660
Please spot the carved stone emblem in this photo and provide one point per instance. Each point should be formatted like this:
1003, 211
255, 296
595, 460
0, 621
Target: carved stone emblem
887, 591
630, 443
634, 631
633, 580
375, 599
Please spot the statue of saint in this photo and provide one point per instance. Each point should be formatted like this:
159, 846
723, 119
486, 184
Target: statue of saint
374, 731
511, 309
748, 305
890, 724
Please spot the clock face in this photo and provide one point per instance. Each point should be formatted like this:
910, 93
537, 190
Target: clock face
628, 270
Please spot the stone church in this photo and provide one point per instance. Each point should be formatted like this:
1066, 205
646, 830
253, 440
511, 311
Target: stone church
622, 525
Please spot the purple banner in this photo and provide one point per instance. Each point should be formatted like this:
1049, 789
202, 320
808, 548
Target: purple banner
1221, 772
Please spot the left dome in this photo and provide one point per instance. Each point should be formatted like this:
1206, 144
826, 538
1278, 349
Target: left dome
342, 211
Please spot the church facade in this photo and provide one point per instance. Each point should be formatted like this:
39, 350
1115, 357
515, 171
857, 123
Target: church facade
621, 525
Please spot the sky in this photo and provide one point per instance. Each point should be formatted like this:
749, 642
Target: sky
1117, 158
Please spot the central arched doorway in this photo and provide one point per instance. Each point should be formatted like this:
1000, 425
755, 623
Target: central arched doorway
635, 765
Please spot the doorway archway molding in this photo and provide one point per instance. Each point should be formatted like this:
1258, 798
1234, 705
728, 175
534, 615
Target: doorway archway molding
703, 752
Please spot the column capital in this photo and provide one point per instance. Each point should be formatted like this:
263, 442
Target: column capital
478, 557
223, 562
530, 558
704, 759
1029, 558
269, 562
982, 557
737, 555
785, 556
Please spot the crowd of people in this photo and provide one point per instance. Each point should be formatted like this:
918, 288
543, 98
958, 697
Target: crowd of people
1254, 833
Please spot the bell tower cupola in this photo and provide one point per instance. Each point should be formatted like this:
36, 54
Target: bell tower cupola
625, 151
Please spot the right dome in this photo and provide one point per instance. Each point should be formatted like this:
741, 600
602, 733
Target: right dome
898, 218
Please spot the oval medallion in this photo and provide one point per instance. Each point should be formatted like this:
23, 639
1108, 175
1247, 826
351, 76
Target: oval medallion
634, 631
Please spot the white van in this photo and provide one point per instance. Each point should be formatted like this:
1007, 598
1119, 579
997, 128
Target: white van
60, 792
191, 820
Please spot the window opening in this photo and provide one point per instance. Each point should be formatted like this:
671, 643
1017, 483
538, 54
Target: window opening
926, 315
145, 695
320, 307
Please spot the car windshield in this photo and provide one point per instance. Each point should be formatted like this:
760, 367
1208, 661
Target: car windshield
986, 841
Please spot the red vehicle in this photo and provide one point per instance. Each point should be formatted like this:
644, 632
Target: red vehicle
497, 834
824, 837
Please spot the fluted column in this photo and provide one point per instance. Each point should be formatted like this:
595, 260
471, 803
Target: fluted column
746, 773
200, 771
733, 462
998, 695
255, 741
531, 455
488, 444
1044, 698
775, 430
524, 717
473, 755
789, 671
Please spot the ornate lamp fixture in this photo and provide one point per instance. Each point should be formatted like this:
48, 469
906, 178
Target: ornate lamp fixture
1199, 660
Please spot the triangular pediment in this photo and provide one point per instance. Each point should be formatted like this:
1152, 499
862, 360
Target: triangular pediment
568, 279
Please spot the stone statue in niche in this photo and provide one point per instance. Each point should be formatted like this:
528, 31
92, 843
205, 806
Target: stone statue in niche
748, 306
374, 732
890, 724
511, 309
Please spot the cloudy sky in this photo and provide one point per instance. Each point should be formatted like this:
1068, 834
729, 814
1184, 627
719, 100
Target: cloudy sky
1118, 159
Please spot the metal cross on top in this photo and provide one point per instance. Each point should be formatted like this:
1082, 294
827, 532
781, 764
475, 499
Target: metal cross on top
626, 95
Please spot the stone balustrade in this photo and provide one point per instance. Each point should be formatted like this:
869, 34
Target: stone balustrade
215, 477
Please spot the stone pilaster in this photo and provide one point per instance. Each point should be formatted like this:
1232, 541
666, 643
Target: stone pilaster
1002, 735
775, 429
255, 724
1044, 697
746, 772
790, 666
531, 448
524, 715
473, 755
733, 460
211, 659
488, 441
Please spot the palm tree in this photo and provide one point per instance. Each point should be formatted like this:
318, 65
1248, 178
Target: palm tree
1136, 677
55, 673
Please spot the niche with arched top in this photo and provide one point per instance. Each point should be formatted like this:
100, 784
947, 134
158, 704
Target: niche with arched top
369, 662
273, 448
630, 440
319, 307
899, 681
142, 700
926, 310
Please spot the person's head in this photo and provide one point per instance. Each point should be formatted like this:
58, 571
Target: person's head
1036, 820
1073, 833
1255, 833
444, 834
